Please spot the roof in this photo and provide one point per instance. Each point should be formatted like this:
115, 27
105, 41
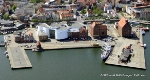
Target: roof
97, 23
122, 22
43, 25
67, 15
74, 30
18, 24
80, 0
82, 29
75, 26
63, 11
142, 6
5, 22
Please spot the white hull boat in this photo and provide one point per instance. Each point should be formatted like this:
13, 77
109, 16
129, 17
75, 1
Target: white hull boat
143, 32
5, 52
7, 55
106, 51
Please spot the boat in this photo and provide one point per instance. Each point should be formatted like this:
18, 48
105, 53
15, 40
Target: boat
143, 45
37, 50
143, 32
106, 51
7, 55
5, 52
145, 28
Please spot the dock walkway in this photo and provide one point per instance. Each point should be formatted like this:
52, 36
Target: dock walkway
18, 58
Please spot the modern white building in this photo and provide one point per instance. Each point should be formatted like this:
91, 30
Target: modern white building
61, 33
43, 27
59, 30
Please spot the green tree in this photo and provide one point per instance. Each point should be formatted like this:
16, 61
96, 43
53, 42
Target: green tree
5, 16
97, 11
83, 11
34, 20
14, 7
100, 0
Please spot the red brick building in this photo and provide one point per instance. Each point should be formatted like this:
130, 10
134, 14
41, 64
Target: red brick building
124, 27
83, 33
98, 30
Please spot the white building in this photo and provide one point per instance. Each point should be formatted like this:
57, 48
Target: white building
43, 27
1, 2
60, 30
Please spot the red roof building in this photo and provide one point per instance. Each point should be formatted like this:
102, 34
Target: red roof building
98, 30
124, 27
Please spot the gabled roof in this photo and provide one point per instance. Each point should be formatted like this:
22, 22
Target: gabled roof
97, 23
122, 22
82, 29
67, 15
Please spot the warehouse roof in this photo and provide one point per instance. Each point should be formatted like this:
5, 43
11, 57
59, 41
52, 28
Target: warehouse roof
5, 22
43, 25
73, 26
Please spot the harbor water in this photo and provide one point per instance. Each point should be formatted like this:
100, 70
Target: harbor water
72, 64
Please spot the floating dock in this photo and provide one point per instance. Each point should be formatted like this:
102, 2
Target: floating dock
18, 58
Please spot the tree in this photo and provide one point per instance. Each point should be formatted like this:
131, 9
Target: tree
97, 11
14, 7
83, 11
100, 0
34, 20
5, 16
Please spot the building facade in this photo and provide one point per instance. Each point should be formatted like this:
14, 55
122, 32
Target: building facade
124, 27
98, 30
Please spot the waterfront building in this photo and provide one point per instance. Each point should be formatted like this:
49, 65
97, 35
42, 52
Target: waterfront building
98, 30
124, 27
42, 36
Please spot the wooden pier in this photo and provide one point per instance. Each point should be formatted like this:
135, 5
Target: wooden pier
18, 58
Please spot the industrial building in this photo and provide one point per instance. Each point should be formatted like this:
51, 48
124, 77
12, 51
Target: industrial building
98, 30
124, 27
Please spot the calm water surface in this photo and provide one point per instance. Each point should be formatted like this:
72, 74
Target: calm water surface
72, 64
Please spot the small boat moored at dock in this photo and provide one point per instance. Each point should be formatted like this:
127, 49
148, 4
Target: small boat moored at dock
143, 32
5, 52
143, 45
7, 56
145, 28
